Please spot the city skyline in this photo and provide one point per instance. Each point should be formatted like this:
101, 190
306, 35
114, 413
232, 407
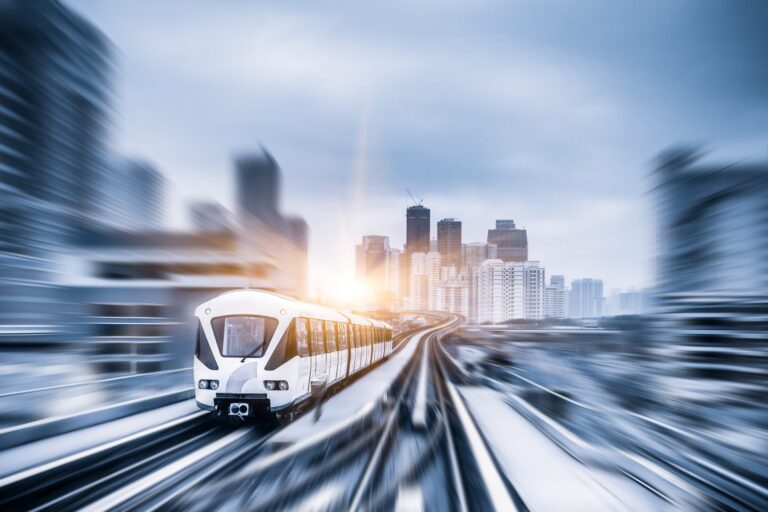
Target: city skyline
326, 89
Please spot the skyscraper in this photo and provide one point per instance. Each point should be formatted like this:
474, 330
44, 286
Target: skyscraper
449, 241
258, 187
417, 230
511, 243
417, 224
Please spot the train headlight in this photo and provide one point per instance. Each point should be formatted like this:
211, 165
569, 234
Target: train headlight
214, 384
269, 384
203, 384
283, 385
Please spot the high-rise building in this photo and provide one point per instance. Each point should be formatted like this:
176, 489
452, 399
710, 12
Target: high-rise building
510, 291
258, 188
474, 253
417, 230
511, 243
453, 296
433, 267
54, 118
449, 241
586, 298
424, 281
417, 223
419, 282
490, 292
135, 194
554, 298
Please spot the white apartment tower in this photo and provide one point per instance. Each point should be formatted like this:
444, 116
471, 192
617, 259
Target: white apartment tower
510, 291
554, 298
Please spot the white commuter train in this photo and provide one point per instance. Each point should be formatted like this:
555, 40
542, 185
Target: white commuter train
258, 352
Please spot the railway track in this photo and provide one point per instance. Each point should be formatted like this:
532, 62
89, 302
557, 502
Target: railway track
413, 445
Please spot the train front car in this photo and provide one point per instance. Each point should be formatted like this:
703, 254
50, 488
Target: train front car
241, 369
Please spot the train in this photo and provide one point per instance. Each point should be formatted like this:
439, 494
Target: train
258, 353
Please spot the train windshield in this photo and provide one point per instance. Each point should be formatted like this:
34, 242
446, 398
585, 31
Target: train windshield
241, 336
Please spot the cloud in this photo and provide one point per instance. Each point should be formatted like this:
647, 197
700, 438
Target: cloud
548, 113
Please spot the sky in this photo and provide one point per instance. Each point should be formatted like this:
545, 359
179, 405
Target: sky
548, 113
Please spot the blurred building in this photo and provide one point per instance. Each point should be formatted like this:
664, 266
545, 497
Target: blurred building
585, 298
629, 302
285, 238
258, 188
133, 196
210, 217
511, 243
510, 291
713, 288
554, 298
378, 266
136, 292
449, 242
54, 118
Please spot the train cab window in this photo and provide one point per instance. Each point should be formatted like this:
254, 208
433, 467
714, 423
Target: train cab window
302, 337
243, 335
330, 336
203, 349
342, 336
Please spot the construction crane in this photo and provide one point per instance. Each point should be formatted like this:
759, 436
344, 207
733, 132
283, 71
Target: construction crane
417, 201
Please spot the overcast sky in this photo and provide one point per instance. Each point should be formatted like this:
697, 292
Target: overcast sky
548, 113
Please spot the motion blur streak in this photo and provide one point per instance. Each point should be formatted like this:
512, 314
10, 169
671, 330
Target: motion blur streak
505, 387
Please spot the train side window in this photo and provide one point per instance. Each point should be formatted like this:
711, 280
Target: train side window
330, 336
318, 344
342, 331
302, 338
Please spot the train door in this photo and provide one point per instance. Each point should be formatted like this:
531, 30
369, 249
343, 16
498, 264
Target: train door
332, 348
302, 350
319, 371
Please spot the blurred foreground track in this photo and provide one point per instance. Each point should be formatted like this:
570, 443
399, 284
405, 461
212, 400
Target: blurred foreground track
398, 436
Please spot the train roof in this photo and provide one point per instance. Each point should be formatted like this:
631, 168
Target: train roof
279, 302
